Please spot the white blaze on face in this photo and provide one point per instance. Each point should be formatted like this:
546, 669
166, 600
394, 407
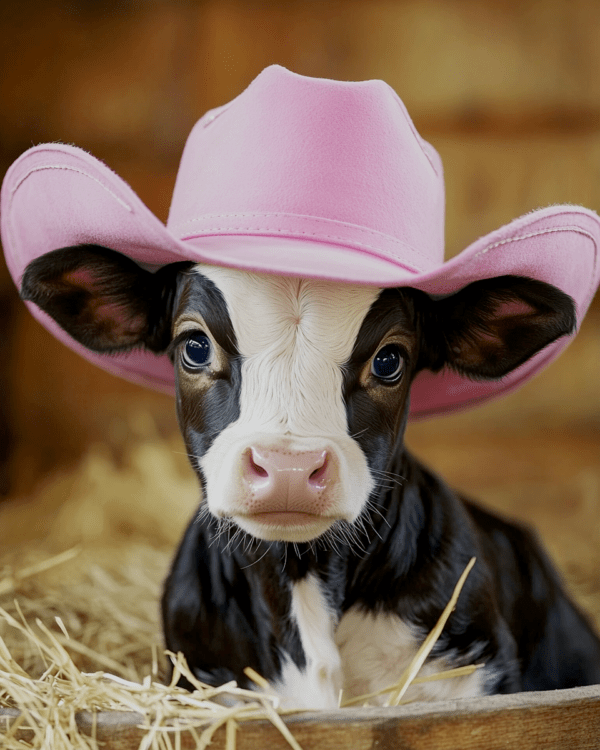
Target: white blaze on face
294, 336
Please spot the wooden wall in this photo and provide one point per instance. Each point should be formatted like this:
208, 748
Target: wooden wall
508, 91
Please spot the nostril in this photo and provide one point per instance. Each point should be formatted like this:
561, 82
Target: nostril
319, 474
257, 472
255, 466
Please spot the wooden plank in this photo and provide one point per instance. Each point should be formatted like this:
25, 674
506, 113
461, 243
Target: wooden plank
551, 720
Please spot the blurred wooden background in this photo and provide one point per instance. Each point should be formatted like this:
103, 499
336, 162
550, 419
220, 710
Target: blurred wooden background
508, 91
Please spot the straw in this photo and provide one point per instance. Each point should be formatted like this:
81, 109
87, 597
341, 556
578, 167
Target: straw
413, 668
50, 701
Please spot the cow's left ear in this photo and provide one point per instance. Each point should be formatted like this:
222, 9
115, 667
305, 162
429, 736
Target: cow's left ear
102, 298
492, 326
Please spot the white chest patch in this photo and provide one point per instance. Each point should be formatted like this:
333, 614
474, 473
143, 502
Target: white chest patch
318, 684
364, 654
376, 649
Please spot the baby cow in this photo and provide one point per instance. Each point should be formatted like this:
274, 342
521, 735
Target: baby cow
323, 552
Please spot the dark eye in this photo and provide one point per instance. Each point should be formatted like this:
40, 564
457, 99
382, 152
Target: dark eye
197, 351
388, 363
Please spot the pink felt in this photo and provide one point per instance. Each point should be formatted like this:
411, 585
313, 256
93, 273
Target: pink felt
297, 176
314, 159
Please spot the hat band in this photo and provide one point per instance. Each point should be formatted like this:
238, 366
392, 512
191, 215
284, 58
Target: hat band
311, 228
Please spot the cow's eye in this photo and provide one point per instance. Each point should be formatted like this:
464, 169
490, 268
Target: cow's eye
388, 363
196, 352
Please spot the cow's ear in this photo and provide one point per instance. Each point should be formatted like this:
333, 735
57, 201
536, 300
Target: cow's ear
102, 298
492, 326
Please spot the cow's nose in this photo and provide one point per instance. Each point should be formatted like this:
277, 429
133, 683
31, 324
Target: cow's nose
283, 480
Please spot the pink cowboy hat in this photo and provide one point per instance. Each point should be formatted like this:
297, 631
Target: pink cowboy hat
297, 176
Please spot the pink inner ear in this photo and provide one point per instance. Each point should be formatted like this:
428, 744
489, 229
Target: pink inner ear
113, 317
513, 308
117, 319
81, 277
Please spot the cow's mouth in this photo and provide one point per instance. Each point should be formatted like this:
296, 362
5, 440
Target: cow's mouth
285, 526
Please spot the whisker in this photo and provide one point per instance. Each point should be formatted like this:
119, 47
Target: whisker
382, 485
232, 539
332, 541
202, 513
223, 525
362, 522
347, 535
373, 506
242, 539
359, 433
259, 559
389, 475
352, 539
372, 525
193, 458
366, 519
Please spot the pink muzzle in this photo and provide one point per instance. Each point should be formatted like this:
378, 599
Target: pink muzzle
283, 485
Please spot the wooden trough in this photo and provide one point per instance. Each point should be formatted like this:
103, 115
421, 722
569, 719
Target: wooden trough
553, 720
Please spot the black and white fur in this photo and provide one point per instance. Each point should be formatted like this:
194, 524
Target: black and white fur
336, 585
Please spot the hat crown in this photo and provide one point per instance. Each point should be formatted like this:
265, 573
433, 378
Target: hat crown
338, 162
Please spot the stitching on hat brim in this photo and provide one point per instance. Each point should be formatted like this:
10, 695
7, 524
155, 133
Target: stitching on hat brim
550, 230
69, 169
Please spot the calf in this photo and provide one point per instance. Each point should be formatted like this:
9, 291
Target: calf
323, 552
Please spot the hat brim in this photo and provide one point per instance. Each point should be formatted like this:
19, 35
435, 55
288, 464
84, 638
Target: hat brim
57, 196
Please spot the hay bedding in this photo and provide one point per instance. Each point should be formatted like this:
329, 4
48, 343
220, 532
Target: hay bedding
79, 628
41, 673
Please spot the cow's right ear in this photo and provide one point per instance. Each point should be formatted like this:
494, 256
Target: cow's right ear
103, 299
492, 326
